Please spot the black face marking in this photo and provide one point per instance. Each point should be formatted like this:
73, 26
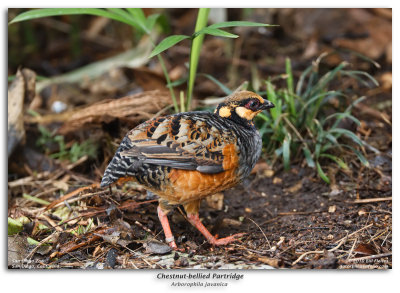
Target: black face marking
252, 104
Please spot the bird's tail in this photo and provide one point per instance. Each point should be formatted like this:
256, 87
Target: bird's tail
118, 167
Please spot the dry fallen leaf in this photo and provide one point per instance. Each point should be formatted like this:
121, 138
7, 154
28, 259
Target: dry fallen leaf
23, 87
295, 188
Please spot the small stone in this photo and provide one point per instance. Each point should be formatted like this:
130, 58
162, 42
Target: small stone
277, 180
332, 209
362, 212
248, 210
155, 247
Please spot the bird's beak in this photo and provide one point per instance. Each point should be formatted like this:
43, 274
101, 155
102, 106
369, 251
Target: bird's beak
267, 105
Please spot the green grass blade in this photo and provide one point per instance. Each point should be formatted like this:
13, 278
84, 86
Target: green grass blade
359, 155
322, 174
339, 117
35, 199
167, 43
197, 42
308, 156
271, 95
348, 133
355, 74
46, 12
289, 79
286, 151
322, 83
302, 78
265, 118
337, 160
223, 87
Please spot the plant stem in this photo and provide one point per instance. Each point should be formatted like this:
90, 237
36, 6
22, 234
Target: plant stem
182, 98
164, 69
171, 90
201, 22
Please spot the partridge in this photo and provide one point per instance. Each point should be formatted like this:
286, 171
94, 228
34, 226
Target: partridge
186, 157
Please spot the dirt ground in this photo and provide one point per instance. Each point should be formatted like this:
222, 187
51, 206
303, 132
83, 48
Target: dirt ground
292, 219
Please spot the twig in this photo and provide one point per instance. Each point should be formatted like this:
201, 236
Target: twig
355, 232
369, 200
51, 222
298, 213
343, 240
352, 249
265, 236
29, 179
40, 244
307, 253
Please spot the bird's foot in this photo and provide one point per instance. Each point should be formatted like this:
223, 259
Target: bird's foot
226, 240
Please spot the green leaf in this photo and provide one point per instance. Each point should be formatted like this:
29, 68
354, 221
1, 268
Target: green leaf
138, 14
167, 43
224, 88
14, 226
140, 18
151, 21
32, 241
322, 174
215, 32
46, 12
177, 82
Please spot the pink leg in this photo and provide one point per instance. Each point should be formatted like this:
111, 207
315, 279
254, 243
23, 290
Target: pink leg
195, 221
169, 238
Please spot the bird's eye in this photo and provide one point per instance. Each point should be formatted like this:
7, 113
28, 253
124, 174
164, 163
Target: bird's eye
252, 105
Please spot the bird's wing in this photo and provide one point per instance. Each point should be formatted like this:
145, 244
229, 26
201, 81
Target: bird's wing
180, 143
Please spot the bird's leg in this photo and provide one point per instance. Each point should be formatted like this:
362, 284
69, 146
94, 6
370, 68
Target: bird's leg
169, 238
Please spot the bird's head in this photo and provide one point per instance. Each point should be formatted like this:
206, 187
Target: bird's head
242, 107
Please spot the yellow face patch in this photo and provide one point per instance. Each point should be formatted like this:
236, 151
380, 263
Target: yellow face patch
225, 112
246, 113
